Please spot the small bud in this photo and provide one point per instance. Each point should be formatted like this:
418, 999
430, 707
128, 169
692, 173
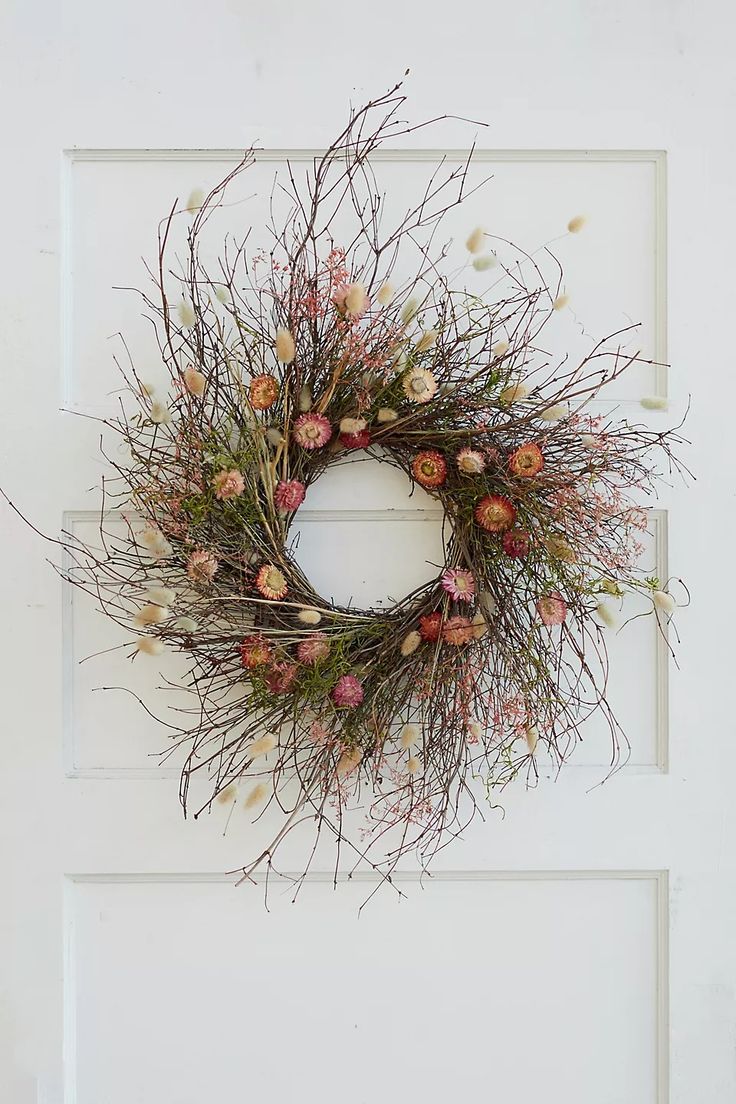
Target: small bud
285, 348
476, 241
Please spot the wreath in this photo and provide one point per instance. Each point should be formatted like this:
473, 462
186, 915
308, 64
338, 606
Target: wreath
312, 353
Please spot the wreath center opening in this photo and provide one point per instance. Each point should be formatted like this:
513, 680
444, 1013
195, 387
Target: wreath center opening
366, 537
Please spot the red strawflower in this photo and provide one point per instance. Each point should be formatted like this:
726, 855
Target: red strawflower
281, 678
430, 627
516, 543
495, 513
527, 461
263, 391
359, 440
457, 631
429, 468
255, 651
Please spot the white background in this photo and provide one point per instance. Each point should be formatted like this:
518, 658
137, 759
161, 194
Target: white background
579, 948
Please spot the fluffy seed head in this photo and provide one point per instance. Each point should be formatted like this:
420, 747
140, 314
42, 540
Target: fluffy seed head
410, 643
195, 201
500, 348
222, 294
532, 736
150, 615
356, 301
426, 341
256, 796
160, 596
476, 240
513, 393
353, 425
262, 746
285, 348
553, 413
412, 764
348, 761
309, 616
482, 264
385, 295
606, 615
561, 302
228, 795
664, 601
194, 382
150, 645
654, 402
386, 414
576, 224
185, 624
409, 310
304, 401
160, 413
187, 316
410, 735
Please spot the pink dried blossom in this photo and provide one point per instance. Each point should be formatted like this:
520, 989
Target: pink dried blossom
228, 484
552, 608
289, 495
312, 431
201, 567
459, 584
347, 692
281, 678
313, 649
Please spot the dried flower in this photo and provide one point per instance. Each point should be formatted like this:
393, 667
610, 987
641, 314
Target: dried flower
606, 615
228, 484
457, 631
459, 584
312, 431
309, 616
347, 692
150, 645
305, 399
385, 295
194, 382
409, 310
185, 624
654, 402
410, 643
255, 651
419, 385
261, 746
195, 201
285, 347
281, 677
470, 461
150, 614
410, 735
561, 550
263, 391
482, 264
429, 468
412, 764
561, 302
500, 349
228, 795
187, 316
160, 413
386, 414
552, 608
495, 513
314, 649
270, 582
222, 294
201, 567
515, 392
664, 601
515, 543
527, 461
350, 759
476, 241
576, 224
256, 796
289, 495
356, 301
353, 425
430, 627
553, 413
359, 440
155, 543
426, 341
274, 437
160, 595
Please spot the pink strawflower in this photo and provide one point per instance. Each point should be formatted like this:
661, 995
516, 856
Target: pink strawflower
312, 431
228, 484
289, 495
201, 567
552, 608
459, 584
281, 677
313, 649
457, 631
347, 692
471, 461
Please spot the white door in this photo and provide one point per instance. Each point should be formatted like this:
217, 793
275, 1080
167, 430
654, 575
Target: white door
579, 949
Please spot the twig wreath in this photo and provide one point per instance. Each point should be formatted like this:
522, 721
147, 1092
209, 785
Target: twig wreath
305, 355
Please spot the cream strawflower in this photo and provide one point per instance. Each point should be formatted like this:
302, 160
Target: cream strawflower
419, 385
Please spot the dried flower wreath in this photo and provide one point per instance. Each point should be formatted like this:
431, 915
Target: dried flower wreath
304, 356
